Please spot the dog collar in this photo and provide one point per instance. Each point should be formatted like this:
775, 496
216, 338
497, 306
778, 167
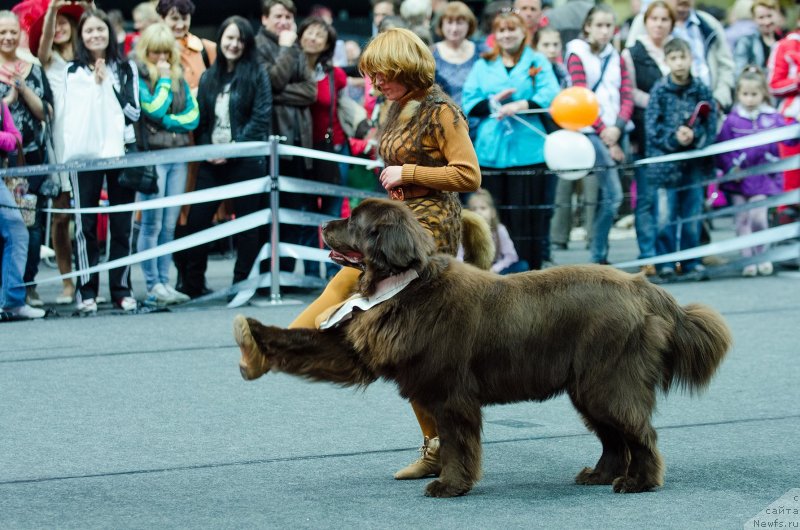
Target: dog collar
385, 290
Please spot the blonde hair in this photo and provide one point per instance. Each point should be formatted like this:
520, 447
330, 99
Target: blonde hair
399, 55
159, 38
147, 11
482, 194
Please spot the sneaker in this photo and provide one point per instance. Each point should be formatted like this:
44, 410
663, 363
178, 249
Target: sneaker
159, 296
101, 299
177, 295
698, 273
87, 307
765, 269
32, 297
26, 311
66, 297
127, 303
667, 273
750, 270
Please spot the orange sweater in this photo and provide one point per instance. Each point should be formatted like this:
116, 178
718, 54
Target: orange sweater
428, 136
192, 58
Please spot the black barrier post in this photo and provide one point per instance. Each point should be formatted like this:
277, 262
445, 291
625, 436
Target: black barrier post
274, 205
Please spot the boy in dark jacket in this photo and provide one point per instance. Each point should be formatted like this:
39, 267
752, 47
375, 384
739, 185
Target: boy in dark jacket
672, 126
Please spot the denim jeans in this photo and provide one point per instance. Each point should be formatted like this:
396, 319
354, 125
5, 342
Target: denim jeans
646, 214
609, 203
682, 204
158, 226
15, 250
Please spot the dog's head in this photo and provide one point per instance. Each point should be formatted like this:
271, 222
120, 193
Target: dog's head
381, 237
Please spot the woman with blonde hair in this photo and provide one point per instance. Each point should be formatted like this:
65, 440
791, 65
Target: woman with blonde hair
169, 114
755, 48
428, 159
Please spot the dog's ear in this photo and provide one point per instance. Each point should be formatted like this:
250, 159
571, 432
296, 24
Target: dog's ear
400, 243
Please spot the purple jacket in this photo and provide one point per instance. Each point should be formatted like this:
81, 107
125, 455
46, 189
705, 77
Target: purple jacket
742, 123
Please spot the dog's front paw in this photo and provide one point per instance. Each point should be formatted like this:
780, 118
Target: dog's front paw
631, 485
252, 364
439, 488
589, 477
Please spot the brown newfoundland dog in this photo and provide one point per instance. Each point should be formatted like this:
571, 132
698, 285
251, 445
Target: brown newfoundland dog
458, 338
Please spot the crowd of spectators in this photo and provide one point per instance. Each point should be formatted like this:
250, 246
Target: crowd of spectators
666, 78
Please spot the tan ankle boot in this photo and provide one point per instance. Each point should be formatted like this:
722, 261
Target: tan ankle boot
427, 465
252, 364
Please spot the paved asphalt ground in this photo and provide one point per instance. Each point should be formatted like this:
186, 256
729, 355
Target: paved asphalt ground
143, 421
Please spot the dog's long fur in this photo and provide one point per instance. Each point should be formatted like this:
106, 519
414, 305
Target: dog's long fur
459, 338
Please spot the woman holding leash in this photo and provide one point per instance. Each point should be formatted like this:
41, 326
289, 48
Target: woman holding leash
428, 159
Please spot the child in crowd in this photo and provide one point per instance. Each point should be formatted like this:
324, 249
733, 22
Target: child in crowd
751, 114
593, 62
506, 260
547, 41
670, 128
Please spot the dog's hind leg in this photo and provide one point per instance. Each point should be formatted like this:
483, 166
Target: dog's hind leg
613, 463
633, 407
459, 423
646, 470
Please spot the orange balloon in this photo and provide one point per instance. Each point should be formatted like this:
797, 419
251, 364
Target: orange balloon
574, 108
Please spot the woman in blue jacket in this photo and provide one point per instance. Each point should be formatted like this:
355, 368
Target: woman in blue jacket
509, 79
235, 102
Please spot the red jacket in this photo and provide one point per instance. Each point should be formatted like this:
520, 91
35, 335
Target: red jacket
784, 79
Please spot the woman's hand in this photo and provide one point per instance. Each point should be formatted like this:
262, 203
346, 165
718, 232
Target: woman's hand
217, 161
100, 71
616, 153
391, 177
55, 5
610, 135
12, 96
509, 109
163, 68
503, 94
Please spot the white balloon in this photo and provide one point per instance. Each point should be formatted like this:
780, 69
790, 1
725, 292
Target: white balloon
568, 150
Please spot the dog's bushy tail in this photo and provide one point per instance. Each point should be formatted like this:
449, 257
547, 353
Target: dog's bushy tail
700, 340
476, 238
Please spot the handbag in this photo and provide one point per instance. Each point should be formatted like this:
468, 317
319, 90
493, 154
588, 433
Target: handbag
51, 186
94, 117
160, 138
143, 179
350, 114
18, 186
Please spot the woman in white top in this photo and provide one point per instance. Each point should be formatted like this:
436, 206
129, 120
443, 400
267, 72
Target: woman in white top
98, 69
